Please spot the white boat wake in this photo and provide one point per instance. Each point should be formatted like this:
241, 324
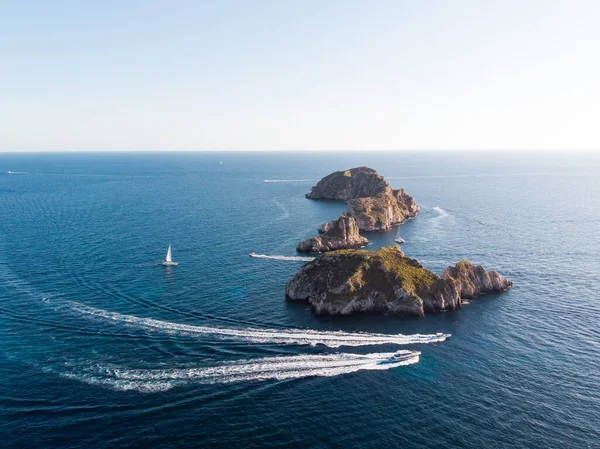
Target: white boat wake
332, 339
441, 212
288, 258
275, 368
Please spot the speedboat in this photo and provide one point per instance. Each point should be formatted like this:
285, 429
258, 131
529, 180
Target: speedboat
399, 240
399, 356
168, 262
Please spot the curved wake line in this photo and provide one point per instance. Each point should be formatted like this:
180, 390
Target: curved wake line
288, 258
332, 339
289, 180
285, 210
274, 368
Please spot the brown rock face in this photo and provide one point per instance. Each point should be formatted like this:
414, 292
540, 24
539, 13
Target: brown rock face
348, 184
341, 233
472, 281
370, 198
384, 211
349, 281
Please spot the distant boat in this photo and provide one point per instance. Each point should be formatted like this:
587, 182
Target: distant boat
399, 240
169, 259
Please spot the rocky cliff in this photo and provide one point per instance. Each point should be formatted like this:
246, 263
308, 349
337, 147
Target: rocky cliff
384, 211
370, 198
472, 281
341, 233
349, 281
349, 184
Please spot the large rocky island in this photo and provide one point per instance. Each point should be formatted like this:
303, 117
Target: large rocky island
348, 281
370, 199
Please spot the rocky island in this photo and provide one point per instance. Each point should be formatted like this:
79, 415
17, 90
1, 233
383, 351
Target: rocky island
348, 281
341, 233
345, 279
370, 199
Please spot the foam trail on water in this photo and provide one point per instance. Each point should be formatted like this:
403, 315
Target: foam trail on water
285, 210
440, 211
256, 335
288, 258
276, 368
16, 172
9, 279
289, 180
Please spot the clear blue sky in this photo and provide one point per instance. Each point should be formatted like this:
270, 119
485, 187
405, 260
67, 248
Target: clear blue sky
367, 74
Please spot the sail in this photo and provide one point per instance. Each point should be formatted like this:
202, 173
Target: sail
169, 259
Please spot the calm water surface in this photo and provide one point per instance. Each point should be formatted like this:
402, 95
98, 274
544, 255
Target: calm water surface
102, 347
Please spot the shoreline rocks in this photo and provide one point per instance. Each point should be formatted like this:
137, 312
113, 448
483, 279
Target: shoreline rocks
472, 281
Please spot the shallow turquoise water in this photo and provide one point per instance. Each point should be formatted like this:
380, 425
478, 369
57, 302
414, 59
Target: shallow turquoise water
100, 346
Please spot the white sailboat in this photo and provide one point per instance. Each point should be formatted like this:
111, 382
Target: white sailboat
169, 259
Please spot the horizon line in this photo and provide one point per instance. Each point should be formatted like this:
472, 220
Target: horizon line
354, 150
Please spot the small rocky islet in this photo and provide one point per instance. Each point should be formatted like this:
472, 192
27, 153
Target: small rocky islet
369, 198
341, 233
372, 205
345, 280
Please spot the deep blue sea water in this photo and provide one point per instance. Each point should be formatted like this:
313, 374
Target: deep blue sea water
102, 347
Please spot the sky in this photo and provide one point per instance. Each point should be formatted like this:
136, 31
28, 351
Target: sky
105, 75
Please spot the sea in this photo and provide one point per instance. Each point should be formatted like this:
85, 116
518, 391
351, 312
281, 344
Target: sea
101, 346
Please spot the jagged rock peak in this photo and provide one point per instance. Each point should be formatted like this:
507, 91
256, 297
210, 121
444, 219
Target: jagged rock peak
341, 233
472, 281
384, 211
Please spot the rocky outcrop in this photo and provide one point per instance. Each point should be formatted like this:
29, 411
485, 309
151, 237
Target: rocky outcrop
384, 211
386, 281
349, 281
345, 185
327, 226
341, 233
472, 281
369, 197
